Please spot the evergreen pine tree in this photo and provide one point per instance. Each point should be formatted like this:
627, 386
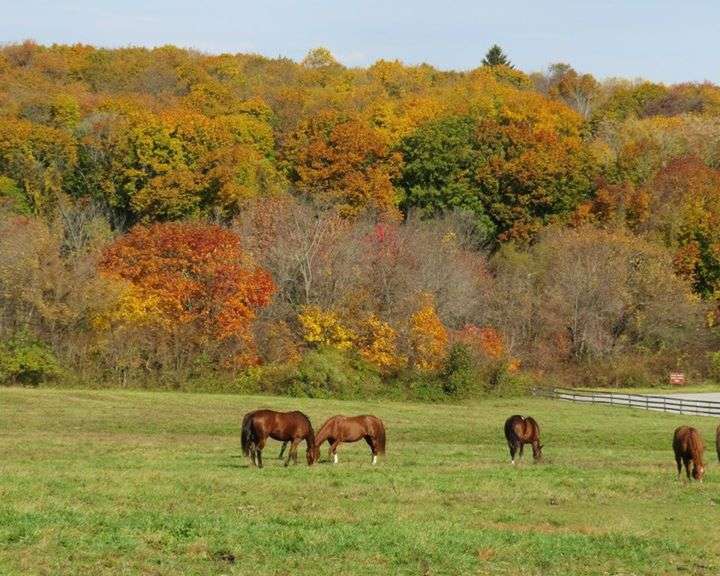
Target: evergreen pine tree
496, 57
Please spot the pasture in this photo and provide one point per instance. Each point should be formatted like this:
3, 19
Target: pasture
113, 482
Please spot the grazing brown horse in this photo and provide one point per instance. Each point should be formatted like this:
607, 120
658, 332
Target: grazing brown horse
340, 429
688, 446
521, 430
293, 427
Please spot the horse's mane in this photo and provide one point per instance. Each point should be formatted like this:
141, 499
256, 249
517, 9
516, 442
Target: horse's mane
321, 435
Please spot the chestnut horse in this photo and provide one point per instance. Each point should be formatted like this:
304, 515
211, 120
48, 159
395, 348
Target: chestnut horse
521, 430
340, 429
688, 446
293, 427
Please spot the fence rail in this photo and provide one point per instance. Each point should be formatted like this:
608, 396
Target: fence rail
647, 402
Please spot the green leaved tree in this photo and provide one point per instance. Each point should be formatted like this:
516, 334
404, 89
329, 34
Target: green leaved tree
496, 57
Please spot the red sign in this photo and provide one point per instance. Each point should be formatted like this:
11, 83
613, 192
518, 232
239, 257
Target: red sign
677, 378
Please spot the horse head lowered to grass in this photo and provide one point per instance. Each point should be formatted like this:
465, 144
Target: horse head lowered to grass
521, 430
339, 429
688, 447
292, 427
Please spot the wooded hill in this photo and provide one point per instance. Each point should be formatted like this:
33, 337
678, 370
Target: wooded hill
175, 218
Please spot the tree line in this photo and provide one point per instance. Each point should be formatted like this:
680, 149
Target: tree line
174, 218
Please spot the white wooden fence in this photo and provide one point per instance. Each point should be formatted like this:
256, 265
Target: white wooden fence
646, 401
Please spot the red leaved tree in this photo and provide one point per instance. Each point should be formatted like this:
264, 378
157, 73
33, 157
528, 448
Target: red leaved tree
205, 287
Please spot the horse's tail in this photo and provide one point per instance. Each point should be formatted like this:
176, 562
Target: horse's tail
380, 437
509, 431
246, 435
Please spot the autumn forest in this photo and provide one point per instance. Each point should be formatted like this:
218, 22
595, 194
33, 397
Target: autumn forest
174, 219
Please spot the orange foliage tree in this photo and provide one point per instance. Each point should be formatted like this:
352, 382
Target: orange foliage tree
377, 343
486, 341
428, 336
345, 163
686, 214
199, 278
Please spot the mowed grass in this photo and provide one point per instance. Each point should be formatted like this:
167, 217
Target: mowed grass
108, 482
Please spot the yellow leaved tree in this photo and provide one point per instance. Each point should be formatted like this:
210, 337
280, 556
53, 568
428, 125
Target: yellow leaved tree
428, 336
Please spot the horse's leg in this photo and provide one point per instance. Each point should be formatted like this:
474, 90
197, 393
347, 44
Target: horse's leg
292, 453
295, 450
687, 467
253, 453
536, 450
258, 451
522, 446
511, 447
678, 461
330, 442
371, 442
282, 449
333, 450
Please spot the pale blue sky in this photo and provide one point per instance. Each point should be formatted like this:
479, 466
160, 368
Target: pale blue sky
663, 40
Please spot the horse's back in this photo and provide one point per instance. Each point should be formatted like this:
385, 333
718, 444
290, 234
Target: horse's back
523, 428
687, 441
353, 428
681, 435
279, 424
376, 425
370, 419
298, 416
530, 420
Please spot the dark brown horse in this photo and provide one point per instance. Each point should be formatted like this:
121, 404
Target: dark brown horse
688, 446
340, 429
293, 427
521, 430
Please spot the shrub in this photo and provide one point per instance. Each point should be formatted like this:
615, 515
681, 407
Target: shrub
12, 197
26, 361
621, 372
501, 381
714, 358
332, 373
460, 375
421, 385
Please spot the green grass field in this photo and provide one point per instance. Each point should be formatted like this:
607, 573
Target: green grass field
109, 482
